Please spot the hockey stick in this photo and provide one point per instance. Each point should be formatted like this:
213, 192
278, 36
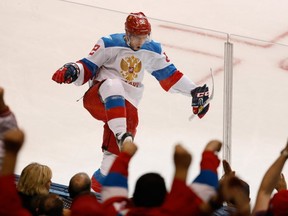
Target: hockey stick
210, 98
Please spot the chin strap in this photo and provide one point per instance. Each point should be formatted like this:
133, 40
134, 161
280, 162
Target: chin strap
127, 39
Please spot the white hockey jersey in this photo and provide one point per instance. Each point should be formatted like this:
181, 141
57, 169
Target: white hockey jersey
112, 58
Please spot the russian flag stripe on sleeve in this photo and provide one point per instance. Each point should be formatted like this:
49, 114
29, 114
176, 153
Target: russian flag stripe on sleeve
170, 81
90, 66
207, 177
115, 180
164, 73
205, 184
167, 76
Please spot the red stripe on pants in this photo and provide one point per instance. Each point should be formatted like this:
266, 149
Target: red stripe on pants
93, 103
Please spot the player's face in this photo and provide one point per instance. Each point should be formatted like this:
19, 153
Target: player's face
137, 41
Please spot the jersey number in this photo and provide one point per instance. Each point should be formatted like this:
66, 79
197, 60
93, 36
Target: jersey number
95, 48
167, 59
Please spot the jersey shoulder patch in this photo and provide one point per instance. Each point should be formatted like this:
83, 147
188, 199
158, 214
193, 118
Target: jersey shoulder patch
152, 46
114, 40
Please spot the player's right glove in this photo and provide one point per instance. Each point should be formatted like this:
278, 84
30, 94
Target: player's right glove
66, 74
199, 97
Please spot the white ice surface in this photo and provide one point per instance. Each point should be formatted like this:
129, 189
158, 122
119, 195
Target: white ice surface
39, 36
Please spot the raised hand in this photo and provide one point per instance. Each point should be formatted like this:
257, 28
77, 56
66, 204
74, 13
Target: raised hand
199, 97
281, 184
13, 140
182, 158
182, 161
214, 146
66, 74
129, 147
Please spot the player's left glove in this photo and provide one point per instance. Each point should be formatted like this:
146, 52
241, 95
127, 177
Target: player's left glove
199, 97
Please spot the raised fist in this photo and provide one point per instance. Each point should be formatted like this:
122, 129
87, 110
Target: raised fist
13, 140
199, 97
66, 74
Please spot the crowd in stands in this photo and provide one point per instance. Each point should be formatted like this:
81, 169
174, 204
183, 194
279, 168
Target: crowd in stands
207, 194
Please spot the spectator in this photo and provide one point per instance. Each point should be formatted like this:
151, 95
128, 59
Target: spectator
206, 183
115, 71
234, 190
84, 202
34, 180
10, 203
181, 200
232, 183
277, 205
50, 205
80, 183
7, 121
150, 190
87, 205
11, 136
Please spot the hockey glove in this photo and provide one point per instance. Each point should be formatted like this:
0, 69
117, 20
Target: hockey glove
66, 74
199, 97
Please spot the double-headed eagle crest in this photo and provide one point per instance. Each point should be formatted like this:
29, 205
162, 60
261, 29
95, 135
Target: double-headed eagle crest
130, 67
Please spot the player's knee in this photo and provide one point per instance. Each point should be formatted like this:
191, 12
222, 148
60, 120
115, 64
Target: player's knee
112, 83
111, 87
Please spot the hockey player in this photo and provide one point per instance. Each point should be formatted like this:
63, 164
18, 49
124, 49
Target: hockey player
115, 70
7, 121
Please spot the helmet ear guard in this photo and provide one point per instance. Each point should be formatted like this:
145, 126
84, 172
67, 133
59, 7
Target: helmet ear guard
137, 24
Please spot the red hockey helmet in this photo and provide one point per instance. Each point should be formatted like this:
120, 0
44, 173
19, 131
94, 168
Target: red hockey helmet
137, 24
